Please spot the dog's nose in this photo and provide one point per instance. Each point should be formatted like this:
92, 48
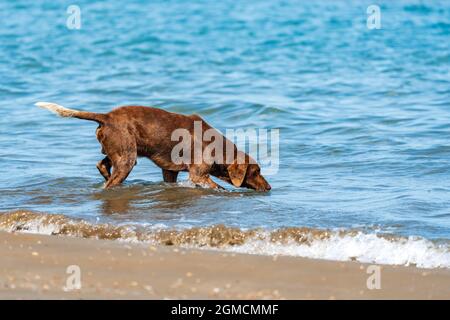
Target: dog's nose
268, 187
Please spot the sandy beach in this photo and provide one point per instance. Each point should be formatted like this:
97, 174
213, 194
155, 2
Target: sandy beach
35, 267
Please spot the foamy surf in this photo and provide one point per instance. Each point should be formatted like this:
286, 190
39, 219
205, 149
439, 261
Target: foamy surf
340, 245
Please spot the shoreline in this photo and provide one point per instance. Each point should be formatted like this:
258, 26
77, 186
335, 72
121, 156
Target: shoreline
306, 242
35, 267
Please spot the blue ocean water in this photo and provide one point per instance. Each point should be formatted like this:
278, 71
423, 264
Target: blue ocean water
363, 114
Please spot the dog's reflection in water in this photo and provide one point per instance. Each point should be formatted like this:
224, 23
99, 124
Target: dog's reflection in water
160, 198
149, 198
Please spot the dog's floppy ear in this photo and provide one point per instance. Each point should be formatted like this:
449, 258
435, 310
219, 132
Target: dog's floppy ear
237, 173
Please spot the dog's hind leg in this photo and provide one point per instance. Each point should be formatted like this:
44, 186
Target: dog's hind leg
104, 167
122, 166
170, 176
120, 148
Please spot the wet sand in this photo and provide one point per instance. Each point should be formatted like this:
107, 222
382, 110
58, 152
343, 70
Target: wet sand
35, 266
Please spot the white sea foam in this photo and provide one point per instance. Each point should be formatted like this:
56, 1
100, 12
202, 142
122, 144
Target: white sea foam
367, 248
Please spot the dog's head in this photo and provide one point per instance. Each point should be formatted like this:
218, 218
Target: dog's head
247, 173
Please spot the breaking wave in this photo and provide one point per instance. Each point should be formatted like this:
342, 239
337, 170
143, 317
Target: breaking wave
341, 245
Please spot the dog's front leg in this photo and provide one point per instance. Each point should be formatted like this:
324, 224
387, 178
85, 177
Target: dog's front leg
205, 182
198, 174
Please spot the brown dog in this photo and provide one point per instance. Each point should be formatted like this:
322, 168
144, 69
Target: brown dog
134, 131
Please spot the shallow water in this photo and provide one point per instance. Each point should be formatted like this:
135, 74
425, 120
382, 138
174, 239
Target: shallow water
363, 114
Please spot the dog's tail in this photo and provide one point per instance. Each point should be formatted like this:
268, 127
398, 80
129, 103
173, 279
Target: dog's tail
70, 113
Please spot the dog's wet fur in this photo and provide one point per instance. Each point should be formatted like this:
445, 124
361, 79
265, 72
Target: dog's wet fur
129, 132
